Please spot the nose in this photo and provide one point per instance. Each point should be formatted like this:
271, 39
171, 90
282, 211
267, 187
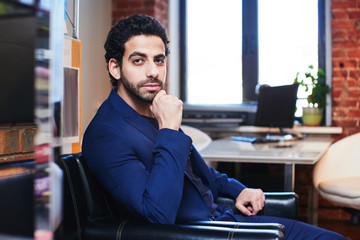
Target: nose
152, 71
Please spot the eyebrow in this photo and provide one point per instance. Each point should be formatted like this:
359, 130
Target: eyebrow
161, 55
137, 54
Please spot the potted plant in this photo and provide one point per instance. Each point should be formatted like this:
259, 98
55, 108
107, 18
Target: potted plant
315, 84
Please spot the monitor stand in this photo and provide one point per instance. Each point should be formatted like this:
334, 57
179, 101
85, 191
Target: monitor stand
284, 136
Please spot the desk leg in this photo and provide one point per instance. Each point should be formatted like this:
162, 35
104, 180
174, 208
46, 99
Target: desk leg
289, 177
313, 206
237, 171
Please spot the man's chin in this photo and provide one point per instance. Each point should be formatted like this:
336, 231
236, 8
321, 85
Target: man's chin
148, 97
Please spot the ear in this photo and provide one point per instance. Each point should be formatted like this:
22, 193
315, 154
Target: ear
114, 68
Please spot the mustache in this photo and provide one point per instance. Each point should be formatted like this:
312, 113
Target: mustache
149, 80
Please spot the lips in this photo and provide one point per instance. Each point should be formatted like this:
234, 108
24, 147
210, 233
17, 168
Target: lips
152, 87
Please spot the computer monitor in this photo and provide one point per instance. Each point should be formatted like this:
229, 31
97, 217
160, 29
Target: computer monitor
17, 45
276, 106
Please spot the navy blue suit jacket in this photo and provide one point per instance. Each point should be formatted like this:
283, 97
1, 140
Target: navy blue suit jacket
143, 168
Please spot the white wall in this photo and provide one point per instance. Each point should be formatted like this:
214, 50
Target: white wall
94, 25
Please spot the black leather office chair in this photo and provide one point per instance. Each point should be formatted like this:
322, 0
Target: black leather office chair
89, 213
17, 199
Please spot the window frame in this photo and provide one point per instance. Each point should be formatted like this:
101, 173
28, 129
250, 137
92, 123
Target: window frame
250, 56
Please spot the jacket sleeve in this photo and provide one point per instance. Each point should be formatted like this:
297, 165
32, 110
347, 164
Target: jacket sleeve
225, 186
152, 191
219, 183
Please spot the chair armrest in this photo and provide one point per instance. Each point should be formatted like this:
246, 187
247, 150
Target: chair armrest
240, 225
110, 228
284, 205
278, 204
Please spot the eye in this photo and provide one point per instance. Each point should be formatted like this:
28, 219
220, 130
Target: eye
160, 61
138, 61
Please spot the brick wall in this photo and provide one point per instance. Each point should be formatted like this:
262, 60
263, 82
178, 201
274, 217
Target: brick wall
346, 65
154, 8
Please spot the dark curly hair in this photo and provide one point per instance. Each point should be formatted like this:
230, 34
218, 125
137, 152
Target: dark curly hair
125, 29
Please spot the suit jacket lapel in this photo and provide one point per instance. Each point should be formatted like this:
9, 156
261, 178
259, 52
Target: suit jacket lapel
132, 117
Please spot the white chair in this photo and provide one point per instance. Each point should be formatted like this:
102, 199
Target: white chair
200, 139
337, 174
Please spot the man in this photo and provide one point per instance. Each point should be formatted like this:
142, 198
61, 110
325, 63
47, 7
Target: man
135, 147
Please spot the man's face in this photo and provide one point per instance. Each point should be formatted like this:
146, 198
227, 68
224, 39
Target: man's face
143, 70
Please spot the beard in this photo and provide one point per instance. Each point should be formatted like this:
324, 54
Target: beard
134, 89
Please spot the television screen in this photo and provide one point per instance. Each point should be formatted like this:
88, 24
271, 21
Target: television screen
276, 106
17, 43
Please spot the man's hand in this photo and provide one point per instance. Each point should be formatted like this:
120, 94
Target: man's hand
250, 201
167, 110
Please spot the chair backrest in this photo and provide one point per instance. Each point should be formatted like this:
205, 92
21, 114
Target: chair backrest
83, 197
341, 160
200, 139
17, 199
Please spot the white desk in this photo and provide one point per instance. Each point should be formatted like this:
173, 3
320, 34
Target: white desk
305, 151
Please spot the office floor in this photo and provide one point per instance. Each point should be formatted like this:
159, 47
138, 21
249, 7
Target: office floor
344, 227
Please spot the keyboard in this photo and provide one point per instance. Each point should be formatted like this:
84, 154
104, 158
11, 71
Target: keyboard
253, 139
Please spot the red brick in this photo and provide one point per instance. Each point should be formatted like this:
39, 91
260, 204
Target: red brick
342, 24
355, 92
354, 113
354, 13
149, 4
124, 4
354, 35
136, 5
335, 4
354, 53
346, 123
345, 43
345, 63
339, 53
337, 113
350, 102
357, 24
353, 83
339, 14
339, 34
340, 73
336, 84
354, 130
336, 93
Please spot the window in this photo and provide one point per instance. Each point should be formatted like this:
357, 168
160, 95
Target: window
232, 46
288, 42
214, 53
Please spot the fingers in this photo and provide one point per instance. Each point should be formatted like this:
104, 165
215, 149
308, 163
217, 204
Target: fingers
167, 110
160, 94
257, 206
244, 210
258, 202
250, 201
